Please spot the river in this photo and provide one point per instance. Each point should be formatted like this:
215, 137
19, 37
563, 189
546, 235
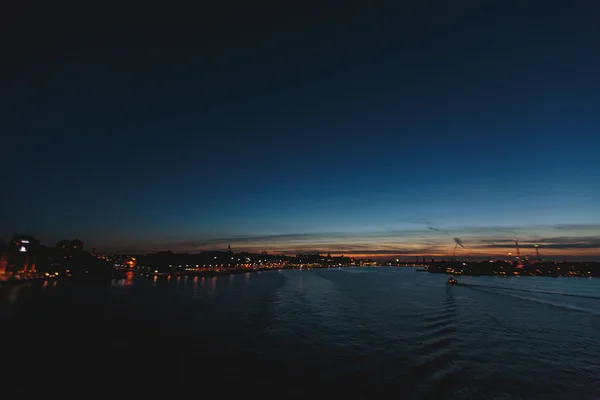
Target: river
385, 331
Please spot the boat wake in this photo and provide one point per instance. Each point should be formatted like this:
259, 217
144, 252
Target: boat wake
581, 296
559, 305
435, 366
521, 294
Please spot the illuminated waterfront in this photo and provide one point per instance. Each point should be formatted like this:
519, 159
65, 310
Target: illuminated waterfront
344, 331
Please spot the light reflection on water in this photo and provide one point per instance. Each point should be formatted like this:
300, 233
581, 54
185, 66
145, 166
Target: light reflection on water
213, 285
15, 291
384, 330
125, 282
118, 282
195, 291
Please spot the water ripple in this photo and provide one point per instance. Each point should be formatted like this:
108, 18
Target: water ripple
369, 331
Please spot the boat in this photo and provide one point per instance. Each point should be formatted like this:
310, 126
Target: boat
452, 281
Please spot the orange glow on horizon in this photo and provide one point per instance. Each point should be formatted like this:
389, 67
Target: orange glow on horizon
387, 248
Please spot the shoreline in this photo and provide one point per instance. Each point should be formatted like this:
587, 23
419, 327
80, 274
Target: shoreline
222, 272
122, 274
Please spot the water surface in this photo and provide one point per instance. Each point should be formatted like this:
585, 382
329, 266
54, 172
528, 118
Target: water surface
360, 331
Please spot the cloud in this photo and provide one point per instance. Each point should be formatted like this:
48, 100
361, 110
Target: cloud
397, 252
565, 243
426, 239
323, 237
577, 227
359, 245
363, 252
478, 230
476, 234
496, 241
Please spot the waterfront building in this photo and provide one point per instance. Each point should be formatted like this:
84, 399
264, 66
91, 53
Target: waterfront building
22, 254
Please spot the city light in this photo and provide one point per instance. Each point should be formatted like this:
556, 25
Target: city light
524, 266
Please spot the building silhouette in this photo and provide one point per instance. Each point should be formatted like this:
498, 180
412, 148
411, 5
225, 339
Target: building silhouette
22, 254
70, 246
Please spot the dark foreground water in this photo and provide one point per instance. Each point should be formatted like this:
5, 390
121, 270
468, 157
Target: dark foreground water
378, 332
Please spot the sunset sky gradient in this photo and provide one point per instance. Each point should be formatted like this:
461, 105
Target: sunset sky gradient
379, 132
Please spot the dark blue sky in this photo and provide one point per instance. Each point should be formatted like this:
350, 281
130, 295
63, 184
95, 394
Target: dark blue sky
363, 129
